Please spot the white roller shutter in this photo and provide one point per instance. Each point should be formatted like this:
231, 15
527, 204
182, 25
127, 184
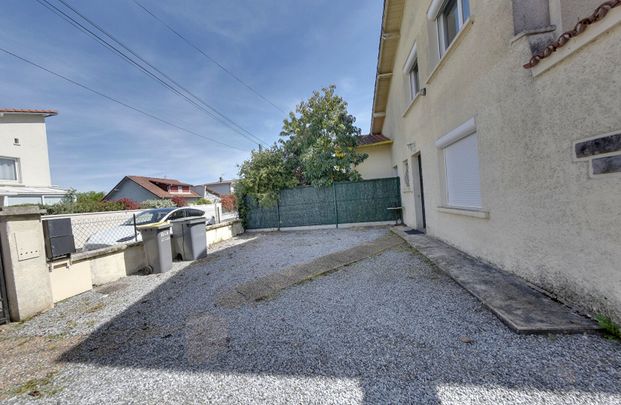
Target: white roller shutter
463, 182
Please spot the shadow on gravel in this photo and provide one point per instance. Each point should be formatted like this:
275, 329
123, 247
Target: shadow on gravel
180, 327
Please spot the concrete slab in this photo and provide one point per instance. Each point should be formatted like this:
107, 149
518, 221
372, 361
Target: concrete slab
512, 299
266, 287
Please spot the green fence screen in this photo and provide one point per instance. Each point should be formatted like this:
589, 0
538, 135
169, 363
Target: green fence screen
343, 203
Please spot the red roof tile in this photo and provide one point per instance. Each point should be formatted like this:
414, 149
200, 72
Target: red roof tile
28, 111
372, 139
150, 184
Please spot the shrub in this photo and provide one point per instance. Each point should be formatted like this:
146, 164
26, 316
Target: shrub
128, 204
179, 201
229, 203
157, 204
202, 201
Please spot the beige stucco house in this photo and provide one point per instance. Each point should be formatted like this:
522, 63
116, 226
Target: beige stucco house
378, 149
24, 163
507, 141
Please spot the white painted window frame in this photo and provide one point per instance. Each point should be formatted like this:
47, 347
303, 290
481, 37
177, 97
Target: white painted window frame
465, 130
18, 174
406, 174
408, 69
436, 12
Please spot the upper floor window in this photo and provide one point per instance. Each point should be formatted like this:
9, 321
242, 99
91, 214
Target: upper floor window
414, 80
8, 169
412, 72
450, 19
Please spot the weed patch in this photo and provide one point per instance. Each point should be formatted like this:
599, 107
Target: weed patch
612, 330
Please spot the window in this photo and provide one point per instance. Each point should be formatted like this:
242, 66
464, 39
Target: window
406, 173
412, 71
450, 19
194, 213
414, 80
463, 183
461, 166
177, 215
8, 169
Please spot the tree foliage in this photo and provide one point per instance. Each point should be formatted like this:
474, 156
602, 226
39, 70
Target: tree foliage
264, 175
92, 201
320, 140
317, 147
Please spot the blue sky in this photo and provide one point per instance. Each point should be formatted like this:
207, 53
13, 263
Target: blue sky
284, 49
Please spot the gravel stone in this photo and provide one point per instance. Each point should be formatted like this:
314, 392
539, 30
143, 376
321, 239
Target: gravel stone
388, 329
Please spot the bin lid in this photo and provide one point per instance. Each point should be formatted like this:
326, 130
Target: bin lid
157, 226
189, 221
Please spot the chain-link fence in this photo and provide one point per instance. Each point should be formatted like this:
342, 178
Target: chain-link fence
97, 230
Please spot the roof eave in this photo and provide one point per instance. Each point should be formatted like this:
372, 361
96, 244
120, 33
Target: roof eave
389, 38
370, 145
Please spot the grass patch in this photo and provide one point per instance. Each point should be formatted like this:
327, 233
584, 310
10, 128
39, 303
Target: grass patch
94, 308
611, 329
37, 387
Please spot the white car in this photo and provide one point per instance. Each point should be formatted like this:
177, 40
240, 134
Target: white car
126, 232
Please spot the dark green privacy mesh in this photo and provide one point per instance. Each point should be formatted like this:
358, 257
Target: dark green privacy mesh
351, 202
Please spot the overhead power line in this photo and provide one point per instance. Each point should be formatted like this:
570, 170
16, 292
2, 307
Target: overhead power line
146, 67
210, 58
110, 98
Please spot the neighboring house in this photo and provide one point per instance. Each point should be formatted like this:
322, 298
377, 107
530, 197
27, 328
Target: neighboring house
221, 187
512, 160
205, 192
140, 188
378, 164
24, 163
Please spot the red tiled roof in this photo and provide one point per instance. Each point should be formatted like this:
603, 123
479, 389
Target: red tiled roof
372, 139
148, 183
28, 111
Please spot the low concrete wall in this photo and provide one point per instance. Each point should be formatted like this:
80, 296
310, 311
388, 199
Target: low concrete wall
69, 279
80, 272
23, 255
220, 232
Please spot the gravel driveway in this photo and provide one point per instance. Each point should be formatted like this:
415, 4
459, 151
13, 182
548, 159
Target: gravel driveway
388, 329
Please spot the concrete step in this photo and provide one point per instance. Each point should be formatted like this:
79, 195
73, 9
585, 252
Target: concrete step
512, 299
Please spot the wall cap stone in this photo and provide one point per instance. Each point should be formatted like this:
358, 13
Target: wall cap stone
19, 211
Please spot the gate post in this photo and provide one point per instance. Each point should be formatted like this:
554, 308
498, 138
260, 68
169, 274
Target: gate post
278, 211
336, 206
28, 284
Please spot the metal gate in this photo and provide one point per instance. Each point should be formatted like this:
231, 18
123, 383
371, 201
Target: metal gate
4, 305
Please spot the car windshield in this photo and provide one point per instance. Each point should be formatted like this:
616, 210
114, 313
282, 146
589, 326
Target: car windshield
149, 217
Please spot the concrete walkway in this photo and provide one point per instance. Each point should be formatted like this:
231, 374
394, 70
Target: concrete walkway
522, 308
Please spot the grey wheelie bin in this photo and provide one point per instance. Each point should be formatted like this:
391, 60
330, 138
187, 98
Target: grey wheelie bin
156, 241
189, 238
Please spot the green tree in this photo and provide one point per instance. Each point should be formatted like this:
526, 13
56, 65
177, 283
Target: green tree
319, 140
263, 176
89, 196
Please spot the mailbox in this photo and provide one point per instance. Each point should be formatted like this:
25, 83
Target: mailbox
58, 237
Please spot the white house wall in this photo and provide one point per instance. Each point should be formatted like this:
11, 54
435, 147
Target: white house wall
544, 217
377, 165
34, 167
